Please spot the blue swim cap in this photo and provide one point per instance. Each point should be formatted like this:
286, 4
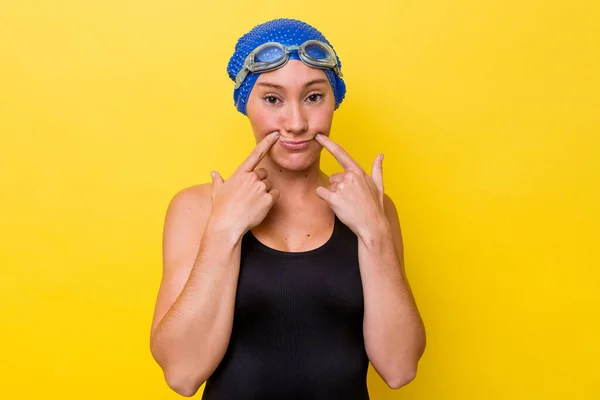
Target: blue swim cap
288, 32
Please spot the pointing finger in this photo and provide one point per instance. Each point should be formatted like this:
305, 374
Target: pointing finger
261, 149
338, 153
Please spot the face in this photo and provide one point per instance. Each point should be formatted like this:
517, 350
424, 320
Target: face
297, 101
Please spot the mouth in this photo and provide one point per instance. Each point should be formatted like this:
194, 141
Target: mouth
294, 141
294, 144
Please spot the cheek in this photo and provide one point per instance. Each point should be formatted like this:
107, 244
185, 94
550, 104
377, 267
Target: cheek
321, 120
263, 120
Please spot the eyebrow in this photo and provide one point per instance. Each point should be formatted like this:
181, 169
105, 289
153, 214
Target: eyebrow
307, 84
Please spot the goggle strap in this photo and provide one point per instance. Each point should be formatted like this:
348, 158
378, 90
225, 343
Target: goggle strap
337, 70
239, 79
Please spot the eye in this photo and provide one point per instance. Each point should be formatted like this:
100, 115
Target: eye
271, 99
315, 97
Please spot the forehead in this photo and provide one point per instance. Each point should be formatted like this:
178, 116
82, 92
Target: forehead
294, 74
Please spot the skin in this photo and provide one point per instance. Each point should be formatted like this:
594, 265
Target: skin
288, 203
282, 101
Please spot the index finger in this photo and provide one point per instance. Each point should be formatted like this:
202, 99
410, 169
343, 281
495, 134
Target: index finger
338, 153
261, 149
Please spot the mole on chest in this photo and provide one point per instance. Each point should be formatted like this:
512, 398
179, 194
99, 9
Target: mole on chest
301, 240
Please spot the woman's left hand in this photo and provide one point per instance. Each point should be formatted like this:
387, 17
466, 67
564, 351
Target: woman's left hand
355, 197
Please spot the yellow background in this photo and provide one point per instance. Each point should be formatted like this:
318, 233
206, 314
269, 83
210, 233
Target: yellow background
487, 112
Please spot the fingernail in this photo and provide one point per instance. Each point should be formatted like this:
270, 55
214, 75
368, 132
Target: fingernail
275, 133
212, 174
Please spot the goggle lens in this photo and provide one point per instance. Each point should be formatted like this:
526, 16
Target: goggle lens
316, 51
269, 54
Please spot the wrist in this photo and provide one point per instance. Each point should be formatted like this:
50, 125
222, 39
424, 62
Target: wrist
223, 229
377, 233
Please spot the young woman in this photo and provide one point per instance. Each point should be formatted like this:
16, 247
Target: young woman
282, 282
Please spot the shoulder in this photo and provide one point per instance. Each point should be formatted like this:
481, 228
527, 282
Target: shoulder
186, 216
191, 200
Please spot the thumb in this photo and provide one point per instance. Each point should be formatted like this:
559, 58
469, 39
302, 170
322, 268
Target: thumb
217, 180
377, 175
325, 194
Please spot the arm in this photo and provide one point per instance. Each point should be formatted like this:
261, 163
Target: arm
201, 250
393, 329
194, 308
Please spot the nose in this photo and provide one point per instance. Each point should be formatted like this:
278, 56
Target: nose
295, 120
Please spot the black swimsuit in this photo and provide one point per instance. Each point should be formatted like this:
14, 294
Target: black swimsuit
298, 325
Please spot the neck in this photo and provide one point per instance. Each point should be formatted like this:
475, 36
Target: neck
296, 187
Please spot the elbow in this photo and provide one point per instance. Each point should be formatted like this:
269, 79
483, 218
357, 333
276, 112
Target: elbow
177, 377
402, 378
184, 384
407, 371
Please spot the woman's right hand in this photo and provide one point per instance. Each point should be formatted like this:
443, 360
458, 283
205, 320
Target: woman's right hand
244, 200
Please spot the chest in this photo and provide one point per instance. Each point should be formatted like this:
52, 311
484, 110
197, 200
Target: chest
295, 237
323, 283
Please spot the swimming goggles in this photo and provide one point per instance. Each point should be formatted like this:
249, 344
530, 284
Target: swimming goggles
272, 55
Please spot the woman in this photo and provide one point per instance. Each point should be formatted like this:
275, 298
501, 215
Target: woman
281, 282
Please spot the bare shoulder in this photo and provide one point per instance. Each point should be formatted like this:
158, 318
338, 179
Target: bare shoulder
186, 218
191, 200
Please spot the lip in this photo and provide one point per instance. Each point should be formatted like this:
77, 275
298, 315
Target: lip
294, 145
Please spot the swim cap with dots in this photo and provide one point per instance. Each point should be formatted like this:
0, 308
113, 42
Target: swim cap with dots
288, 32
